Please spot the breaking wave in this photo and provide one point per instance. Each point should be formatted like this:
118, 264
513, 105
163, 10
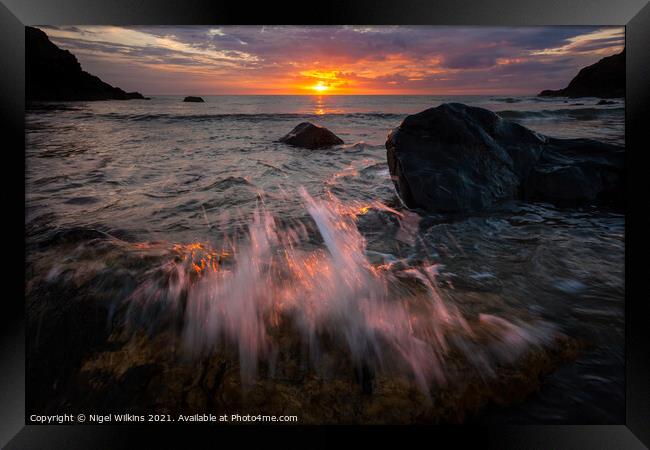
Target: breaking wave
387, 318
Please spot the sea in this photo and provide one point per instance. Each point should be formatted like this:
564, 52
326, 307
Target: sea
213, 178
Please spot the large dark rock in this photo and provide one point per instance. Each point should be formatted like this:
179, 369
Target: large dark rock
308, 135
193, 99
53, 74
458, 158
571, 171
605, 79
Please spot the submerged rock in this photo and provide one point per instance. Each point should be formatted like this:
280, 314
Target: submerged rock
308, 135
458, 158
606, 79
76, 360
193, 99
53, 74
83, 355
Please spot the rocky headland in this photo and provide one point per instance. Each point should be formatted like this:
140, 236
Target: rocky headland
605, 79
54, 74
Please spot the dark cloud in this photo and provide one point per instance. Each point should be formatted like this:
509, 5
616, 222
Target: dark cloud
470, 60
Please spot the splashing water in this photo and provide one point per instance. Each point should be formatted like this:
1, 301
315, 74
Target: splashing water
396, 321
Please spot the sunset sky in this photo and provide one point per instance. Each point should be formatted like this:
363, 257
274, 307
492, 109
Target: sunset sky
431, 60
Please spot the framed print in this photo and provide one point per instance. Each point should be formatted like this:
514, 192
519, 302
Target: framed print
363, 216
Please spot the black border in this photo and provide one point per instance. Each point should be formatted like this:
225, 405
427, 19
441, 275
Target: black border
634, 14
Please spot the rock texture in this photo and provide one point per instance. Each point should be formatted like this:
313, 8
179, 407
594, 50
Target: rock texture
193, 99
53, 74
458, 158
308, 135
605, 79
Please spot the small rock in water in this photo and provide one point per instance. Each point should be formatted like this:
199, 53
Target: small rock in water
308, 135
193, 99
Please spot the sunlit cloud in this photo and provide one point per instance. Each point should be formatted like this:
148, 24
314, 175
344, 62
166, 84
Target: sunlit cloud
337, 59
129, 38
597, 42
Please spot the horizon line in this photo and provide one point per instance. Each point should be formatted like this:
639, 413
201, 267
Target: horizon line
339, 95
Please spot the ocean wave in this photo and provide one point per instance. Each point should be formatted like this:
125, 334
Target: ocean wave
226, 183
240, 116
507, 99
589, 113
566, 113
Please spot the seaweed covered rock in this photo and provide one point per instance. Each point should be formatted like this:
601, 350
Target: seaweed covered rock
85, 353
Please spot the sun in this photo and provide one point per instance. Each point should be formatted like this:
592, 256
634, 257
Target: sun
320, 87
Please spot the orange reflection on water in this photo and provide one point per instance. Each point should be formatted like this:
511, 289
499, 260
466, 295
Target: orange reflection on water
319, 107
322, 106
200, 256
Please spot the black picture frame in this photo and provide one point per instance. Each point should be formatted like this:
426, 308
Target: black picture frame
633, 14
